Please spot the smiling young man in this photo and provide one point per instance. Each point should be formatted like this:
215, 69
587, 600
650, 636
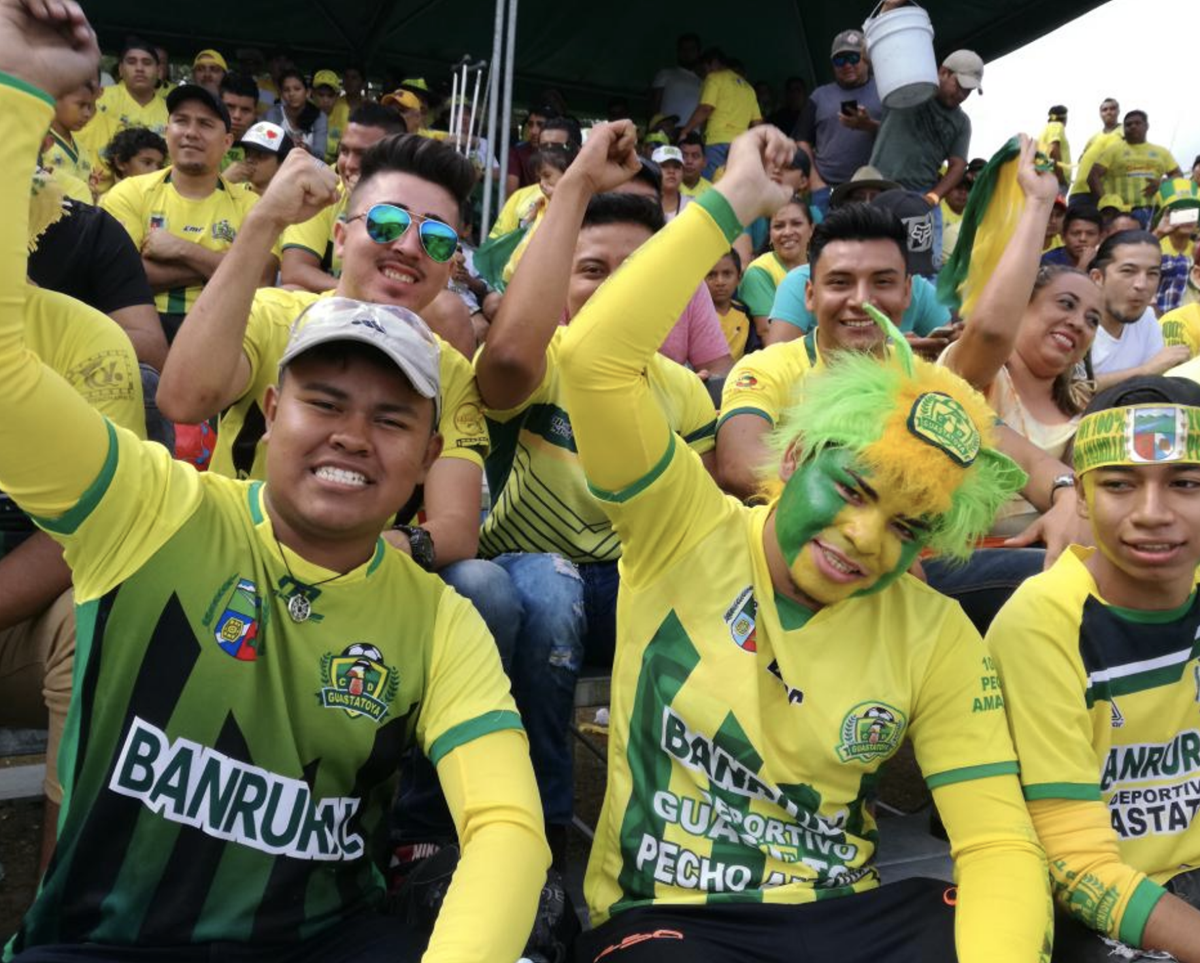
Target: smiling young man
243, 696
185, 218
769, 659
1099, 662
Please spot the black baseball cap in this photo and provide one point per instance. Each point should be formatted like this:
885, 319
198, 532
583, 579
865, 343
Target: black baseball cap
185, 92
1146, 390
915, 213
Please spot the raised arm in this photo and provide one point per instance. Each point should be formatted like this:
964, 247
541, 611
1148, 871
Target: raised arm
513, 359
621, 431
206, 369
991, 330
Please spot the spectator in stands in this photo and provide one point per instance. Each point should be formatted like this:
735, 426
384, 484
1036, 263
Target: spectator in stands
561, 130
545, 528
353, 431
239, 94
1178, 201
1054, 144
795, 97
693, 182
265, 146
520, 155
1133, 169
134, 101
1081, 238
165, 85
1053, 239
310, 258
914, 142
736, 323
1129, 342
670, 159
728, 106
838, 125
71, 114
1182, 326
326, 88
1098, 143
134, 151
185, 218
1027, 333
279, 59
675, 91
354, 87
300, 118
1078, 649
714, 591
410, 107
791, 230
209, 69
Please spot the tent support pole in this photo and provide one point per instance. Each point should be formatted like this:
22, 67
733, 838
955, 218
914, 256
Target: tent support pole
485, 222
506, 128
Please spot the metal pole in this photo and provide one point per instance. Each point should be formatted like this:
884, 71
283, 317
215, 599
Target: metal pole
506, 130
465, 143
473, 127
485, 222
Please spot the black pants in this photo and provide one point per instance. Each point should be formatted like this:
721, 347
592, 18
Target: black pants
907, 922
367, 939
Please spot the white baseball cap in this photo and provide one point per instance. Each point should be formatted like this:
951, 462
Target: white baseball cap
267, 137
667, 153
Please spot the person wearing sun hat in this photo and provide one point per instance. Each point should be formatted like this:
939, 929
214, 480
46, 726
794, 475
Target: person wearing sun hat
1097, 660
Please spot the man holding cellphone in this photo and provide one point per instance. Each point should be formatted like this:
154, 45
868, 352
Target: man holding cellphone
837, 127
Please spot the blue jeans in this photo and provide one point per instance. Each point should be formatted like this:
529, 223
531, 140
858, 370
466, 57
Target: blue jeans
987, 580
569, 618
420, 812
715, 156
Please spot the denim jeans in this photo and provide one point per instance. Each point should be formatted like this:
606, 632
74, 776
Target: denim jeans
568, 618
987, 580
715, 156
420, 813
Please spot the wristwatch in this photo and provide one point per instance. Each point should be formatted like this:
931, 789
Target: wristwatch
1062, 481
421, 543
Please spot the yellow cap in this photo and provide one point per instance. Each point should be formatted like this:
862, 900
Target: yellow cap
210, 57
403, 99
326, 78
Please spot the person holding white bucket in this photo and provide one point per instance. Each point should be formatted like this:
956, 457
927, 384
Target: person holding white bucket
914, 142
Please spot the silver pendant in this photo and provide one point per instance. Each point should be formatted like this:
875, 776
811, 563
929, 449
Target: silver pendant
299, 608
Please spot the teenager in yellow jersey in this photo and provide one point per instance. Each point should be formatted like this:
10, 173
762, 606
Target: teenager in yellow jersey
186, 217
310, 259
728, 106
770, 659
1101, 675
192, 660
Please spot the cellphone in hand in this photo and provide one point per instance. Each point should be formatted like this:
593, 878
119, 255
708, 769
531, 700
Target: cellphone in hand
849, 107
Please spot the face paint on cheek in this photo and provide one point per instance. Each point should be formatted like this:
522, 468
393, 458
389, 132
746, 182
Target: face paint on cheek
810, 502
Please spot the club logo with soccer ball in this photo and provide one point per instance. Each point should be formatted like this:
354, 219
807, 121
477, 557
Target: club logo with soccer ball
871, 731
358, 681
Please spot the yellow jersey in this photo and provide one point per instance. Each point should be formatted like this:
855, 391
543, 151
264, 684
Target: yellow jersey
734, 104
316, 234
70, 156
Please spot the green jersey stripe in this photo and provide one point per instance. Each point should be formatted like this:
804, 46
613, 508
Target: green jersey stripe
470, 730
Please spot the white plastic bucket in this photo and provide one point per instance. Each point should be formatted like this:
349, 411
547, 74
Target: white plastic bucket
900, 45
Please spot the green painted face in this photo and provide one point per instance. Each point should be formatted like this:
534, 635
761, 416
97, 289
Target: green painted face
839, 536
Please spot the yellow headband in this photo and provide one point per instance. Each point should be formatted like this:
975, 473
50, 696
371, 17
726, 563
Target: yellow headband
1153, 434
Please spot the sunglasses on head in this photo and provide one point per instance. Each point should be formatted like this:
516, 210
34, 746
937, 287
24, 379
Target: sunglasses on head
386, 223
850, 58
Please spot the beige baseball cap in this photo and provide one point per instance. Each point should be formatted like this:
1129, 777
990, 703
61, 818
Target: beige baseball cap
967, 66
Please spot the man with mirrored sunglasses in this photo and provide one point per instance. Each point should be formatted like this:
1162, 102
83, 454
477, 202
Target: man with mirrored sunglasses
838, 124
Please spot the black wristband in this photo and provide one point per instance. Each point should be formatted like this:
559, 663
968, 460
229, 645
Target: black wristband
421, 545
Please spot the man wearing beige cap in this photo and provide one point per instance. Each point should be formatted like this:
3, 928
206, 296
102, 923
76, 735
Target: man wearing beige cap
914, 142
209, 69
253, 649
838, 124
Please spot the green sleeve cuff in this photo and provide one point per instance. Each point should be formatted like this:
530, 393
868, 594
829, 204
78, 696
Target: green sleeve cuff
1086, 792
969, 773
296, 246
470, 730
1141, 904
642, 483
69, 521
733, 412
8, 80
718, 208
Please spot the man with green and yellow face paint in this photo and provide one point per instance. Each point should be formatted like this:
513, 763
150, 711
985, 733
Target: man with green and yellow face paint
1101, 670
771, 658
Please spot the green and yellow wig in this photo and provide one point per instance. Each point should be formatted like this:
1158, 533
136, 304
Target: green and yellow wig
916, 428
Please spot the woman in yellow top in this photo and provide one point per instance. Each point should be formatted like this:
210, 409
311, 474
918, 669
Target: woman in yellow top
791, 230
1029, 329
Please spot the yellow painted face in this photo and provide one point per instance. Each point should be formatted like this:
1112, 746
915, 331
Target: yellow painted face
838, 534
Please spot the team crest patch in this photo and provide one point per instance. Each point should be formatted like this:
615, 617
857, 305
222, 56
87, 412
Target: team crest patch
1157, 434
237, 630
223, 231
358, 681
870, 731
746, 381
741, 617
941, 421
157, 221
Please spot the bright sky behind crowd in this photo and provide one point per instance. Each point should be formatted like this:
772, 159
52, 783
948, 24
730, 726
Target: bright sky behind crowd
1142, 52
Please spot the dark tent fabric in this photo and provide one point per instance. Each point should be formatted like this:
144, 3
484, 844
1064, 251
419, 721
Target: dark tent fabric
591, 51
